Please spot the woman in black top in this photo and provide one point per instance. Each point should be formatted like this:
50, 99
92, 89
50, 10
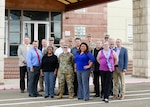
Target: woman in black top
49, 68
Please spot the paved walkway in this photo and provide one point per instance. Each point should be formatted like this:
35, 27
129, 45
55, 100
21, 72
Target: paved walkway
14, 83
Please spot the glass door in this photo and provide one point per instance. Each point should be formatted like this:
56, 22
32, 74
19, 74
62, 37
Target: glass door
36, 30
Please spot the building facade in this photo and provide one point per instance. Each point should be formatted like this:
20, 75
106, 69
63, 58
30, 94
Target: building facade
41, 21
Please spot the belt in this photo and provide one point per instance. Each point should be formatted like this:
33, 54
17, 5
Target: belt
116, 65
35, 66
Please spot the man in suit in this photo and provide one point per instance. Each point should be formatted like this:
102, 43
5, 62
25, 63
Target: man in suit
22, 50
34, 58
43, 48
120, 69
51, 43
74, 51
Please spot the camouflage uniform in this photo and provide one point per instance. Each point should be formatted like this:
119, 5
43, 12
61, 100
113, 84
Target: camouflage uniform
65, 71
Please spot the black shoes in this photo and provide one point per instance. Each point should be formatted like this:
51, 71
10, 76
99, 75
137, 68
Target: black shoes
32, 96
38, 95
80, 98
22, 91
106, 100
46, 96
86, 99
96, 95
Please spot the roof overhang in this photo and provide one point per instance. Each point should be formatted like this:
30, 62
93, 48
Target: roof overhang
77, 4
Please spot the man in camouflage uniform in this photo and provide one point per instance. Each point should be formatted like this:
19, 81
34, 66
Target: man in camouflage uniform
65, 72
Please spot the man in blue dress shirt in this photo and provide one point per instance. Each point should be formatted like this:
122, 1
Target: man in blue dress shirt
33, 58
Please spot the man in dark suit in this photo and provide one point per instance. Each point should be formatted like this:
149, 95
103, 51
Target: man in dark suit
43, 48
120, 69
74, 51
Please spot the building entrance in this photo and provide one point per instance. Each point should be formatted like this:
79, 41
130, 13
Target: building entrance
36, 30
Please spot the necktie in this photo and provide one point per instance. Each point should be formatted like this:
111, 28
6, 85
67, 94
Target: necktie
37, 55
27, 47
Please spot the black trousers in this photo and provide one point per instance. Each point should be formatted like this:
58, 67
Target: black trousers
96, 82
23, 72
111, 87
75, 83
106, 79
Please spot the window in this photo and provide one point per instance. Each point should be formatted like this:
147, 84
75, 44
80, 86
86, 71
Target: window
56, 16
35, 15
19, 23
6, 14
130, 33
6, 34
56, 25
80, 31
15, 14
6, 38
14, 31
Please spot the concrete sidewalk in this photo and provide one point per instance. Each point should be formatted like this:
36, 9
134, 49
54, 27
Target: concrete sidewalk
14, 83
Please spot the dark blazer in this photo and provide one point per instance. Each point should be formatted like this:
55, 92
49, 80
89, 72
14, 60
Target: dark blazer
123, 59
44, 51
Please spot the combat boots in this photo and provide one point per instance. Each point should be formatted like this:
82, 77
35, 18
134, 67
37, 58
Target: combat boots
71, 95
60, 95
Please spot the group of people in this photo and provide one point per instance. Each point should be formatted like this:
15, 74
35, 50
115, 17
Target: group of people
72, 65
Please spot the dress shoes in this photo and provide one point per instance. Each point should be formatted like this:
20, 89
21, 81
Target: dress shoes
80, 98
46, 96
121, 97
115, 97
32, 96
106, 100
41, 90
52, 96
96, 96
22, 91
102, 96
38, 95
86, 99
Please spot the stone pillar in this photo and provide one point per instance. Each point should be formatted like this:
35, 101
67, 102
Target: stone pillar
141, 41
2, 24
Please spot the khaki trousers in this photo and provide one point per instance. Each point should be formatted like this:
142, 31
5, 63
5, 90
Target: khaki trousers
119, 76
41, 82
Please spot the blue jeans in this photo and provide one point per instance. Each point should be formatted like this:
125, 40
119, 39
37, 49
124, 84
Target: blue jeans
83, 84
33, 81
49, 79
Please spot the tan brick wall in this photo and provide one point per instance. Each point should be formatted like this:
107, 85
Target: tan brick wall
141, 42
